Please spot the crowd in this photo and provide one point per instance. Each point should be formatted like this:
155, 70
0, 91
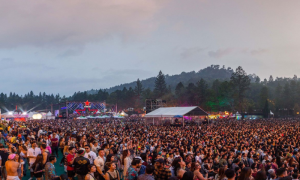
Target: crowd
265, 149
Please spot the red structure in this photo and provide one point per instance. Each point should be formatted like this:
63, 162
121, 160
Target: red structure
86, 106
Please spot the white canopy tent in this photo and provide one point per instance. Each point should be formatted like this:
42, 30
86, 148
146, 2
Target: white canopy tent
175, 111
170, 112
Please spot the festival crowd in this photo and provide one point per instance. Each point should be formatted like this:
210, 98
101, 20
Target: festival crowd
265, 149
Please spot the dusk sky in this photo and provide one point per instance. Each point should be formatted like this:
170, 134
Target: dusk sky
75, 45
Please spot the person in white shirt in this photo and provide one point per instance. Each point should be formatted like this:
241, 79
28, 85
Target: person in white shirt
99, 162
89, 154
95, 147
177, 154
198, 158
32, 154
39, 132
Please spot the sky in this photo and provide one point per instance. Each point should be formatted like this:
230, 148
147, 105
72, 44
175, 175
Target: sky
74, 45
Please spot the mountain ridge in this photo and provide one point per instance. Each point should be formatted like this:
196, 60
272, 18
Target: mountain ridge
209, 74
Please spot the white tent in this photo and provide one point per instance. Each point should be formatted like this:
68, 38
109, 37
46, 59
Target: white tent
175, 111
123, 114
118, 117
49, 114
81, 118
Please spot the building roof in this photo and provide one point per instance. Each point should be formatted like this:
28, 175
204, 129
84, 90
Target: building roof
174, 111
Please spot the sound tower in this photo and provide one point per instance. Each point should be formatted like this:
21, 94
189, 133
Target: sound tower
152, 104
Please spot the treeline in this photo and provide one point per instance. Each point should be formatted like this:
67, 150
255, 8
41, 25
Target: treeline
238, 92
42, 101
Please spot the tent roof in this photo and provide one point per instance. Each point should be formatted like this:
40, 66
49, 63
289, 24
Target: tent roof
173, 111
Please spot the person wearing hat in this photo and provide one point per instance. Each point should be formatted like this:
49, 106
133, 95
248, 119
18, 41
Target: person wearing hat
160, 171
81, 165
12, 168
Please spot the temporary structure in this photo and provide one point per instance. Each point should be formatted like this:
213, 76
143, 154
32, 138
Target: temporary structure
176, 111
171, 112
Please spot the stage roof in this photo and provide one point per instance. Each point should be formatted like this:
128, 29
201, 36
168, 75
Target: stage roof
174, 111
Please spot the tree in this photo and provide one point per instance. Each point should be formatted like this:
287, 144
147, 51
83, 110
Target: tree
296, 109
160, 87
138, 90
263, 96
257, 79
201, 91
271, 79
295, 78
266, 109
278, 99
240, 82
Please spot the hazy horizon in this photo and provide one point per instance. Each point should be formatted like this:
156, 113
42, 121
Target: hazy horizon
73, 45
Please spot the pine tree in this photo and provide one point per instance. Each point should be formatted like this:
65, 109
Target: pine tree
179, 89
271, 79
266, 109
138, 90
264, 95
240, 82
160, 85
201, 91
257, 79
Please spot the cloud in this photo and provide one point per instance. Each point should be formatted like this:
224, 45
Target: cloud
188, 52
9, 63
255, 51
71, 52
70, 22
220, 53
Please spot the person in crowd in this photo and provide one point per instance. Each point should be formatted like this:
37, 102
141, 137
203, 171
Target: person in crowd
261, 175
132, 172
54, 144
81, 165
149, 173
50, 173
245, 174
89, 154
38, 167
90, 175
195, 168
111, 173
21, 166
160, 171
32, 153
70, 160
126, 162
11, 166
4, 156
45, 154
230, 174
100, 164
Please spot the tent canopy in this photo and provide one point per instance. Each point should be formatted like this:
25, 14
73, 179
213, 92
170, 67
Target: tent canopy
175, 111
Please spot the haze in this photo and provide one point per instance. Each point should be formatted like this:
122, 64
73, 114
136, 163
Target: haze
74, 45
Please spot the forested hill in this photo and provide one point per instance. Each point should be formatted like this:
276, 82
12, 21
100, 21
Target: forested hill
209, 74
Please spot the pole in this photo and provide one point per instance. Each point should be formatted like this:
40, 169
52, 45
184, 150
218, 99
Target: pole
67, 113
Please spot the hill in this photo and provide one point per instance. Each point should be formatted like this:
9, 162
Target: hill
209, 74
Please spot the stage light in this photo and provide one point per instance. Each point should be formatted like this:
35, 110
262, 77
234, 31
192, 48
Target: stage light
10, 112
24, 113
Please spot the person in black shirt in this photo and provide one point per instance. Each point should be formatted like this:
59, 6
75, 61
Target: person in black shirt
81, 165
4, 156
